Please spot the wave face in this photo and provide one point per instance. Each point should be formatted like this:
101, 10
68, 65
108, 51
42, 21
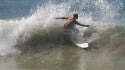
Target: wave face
35, 25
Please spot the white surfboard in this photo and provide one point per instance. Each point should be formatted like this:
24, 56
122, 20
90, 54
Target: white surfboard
78, 38
82, 45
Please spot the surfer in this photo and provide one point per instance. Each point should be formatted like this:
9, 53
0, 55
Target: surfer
70, 23
69, 28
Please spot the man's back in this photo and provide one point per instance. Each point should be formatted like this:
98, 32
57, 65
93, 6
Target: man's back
69, 23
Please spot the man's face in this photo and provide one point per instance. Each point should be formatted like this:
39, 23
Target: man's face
76, 17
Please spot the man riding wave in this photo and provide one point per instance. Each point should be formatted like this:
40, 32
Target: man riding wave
71, 22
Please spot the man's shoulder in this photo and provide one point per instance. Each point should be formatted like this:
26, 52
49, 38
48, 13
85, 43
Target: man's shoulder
70, 18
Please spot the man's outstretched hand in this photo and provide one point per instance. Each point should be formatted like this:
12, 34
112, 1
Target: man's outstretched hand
86, 25
56, 18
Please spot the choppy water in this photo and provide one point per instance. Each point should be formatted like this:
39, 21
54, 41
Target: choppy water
31, 39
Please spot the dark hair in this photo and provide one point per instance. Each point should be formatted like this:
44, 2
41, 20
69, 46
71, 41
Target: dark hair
74, 15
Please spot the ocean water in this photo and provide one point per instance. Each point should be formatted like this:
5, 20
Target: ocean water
31, 39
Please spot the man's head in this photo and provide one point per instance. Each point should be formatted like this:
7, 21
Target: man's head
75, 16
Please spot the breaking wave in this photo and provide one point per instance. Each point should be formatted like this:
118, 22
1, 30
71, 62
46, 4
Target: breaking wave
41, 29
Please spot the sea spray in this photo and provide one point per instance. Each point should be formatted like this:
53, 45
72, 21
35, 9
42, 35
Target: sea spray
99, 14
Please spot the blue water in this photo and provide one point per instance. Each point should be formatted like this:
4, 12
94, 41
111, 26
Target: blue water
30, 37
22, 8
10, 9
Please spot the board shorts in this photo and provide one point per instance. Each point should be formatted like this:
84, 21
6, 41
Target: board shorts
71, 32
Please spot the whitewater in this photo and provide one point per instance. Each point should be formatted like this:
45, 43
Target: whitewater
30, 37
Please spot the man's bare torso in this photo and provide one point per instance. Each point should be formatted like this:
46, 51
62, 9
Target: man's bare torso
69, 23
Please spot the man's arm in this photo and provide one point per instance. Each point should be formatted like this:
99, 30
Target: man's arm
62, 18
81, 24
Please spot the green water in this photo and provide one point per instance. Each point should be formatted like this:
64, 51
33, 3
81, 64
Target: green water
65, 58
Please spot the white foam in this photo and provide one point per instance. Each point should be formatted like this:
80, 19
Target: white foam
43, 17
